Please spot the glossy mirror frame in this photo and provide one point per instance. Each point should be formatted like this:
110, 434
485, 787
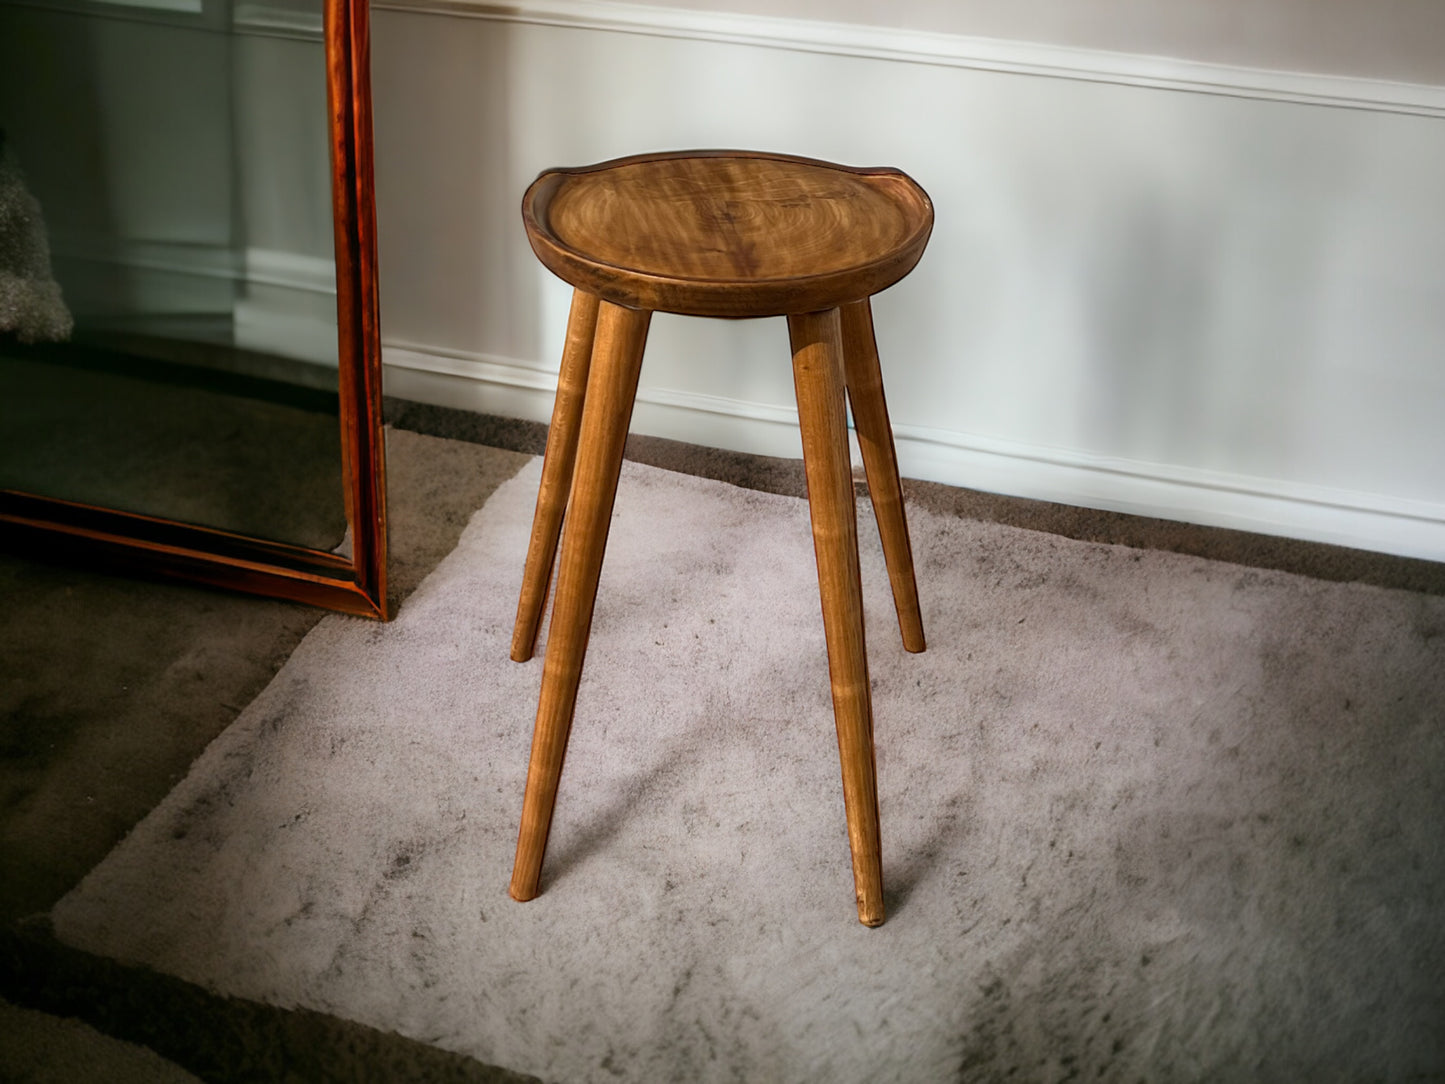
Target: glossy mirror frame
357, 584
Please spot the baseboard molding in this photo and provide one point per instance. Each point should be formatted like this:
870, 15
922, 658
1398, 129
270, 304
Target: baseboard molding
277, 20
290, 271
1368, 521
513, 388
489, 384
280, 302
200, 259
288, 306
204, 259
107, 277
948, 50
272, 330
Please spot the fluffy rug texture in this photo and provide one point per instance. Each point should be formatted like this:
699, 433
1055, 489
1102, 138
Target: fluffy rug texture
1144, 816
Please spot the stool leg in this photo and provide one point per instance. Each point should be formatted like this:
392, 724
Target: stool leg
606, 412
556, 472
880, 461
819, 382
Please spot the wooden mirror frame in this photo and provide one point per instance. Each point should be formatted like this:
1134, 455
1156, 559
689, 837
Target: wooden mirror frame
148, 544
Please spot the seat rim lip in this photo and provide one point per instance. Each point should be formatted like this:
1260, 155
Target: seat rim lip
552, 250
718, 152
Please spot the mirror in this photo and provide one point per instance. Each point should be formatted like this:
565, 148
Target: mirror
189, 361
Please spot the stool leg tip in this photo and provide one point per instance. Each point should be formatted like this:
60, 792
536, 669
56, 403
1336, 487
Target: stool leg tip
524, 640
871, 911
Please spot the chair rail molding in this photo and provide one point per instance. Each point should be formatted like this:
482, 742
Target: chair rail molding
949, 50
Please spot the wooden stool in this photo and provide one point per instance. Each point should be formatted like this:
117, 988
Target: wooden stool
732, 234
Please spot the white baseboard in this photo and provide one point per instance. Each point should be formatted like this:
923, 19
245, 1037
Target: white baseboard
288, 306
281, 302
110, 276
290, 270
1342, 517
516, 389
204, 260
273, 19
273, 330
196, 259
1384, 524
949, 50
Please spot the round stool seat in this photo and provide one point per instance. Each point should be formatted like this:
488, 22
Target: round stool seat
727, 233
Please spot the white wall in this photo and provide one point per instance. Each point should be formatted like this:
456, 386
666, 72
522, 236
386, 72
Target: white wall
1147, 289
1402, 40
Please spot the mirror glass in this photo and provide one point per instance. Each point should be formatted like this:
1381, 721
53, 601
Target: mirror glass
167, 285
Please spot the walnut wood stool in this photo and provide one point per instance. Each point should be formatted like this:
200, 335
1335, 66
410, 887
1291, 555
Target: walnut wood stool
730, 234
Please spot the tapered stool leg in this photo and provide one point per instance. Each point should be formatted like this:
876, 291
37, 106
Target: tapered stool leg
611, 387
819, 381
557, 464
880, 461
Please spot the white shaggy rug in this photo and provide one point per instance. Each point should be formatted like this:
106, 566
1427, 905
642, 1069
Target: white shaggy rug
1144, 816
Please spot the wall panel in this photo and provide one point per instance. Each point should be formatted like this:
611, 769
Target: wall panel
1215, 307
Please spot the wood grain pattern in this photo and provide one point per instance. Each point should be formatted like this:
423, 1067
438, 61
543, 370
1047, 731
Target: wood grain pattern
727, 233
818, 379
880, 461
606, 412
557, 464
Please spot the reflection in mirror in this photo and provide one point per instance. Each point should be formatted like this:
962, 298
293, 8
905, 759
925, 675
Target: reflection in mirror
168, 340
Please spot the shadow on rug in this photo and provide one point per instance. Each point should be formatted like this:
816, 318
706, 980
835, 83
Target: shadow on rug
1144, 815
